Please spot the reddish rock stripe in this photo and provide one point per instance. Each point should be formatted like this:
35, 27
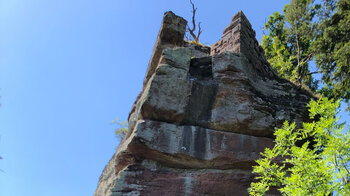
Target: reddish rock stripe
202, 148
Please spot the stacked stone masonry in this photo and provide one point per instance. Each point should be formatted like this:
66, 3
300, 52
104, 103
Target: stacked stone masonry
203, 116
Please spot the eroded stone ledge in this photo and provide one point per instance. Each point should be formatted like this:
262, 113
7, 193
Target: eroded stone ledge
193, 146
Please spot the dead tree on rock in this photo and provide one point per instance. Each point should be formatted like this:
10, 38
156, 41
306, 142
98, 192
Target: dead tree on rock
193, 29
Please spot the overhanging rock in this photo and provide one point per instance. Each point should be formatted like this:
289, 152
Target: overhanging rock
203, 116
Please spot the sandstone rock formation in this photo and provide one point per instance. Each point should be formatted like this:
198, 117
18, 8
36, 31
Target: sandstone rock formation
203, 116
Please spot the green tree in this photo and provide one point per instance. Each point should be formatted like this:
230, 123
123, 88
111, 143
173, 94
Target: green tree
312, 30
276, 47
299, 15
288, 43
332, 50
314, 160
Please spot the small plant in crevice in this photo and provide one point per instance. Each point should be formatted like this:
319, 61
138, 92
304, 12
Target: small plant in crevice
122, 128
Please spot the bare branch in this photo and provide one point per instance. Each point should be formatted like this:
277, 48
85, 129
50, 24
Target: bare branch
315, 72
193, 16
307, 58
298, 58
263, 28
192, 30
199, 31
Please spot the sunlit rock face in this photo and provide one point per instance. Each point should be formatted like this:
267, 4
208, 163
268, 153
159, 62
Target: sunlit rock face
203, 116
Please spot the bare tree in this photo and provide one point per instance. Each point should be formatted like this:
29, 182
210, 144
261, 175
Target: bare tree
193, 29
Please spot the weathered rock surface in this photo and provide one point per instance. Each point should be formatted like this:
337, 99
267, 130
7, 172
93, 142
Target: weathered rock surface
203, 116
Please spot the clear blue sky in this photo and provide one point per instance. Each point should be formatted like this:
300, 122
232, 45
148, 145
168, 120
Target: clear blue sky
67, 68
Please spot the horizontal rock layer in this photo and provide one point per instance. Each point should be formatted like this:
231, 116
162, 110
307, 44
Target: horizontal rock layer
193, 146
159, 180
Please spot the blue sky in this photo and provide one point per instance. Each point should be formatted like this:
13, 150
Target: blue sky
68, 67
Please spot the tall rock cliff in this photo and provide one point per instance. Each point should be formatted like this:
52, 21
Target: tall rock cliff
203, 116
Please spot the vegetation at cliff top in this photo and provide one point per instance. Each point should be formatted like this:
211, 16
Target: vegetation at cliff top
312, 32
313, 160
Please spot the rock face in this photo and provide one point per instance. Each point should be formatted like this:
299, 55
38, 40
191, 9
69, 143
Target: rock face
203, 116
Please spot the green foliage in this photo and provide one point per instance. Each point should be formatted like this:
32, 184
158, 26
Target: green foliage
314, 160
332, 51
122, 128
276, 49
287, 45
312, 30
